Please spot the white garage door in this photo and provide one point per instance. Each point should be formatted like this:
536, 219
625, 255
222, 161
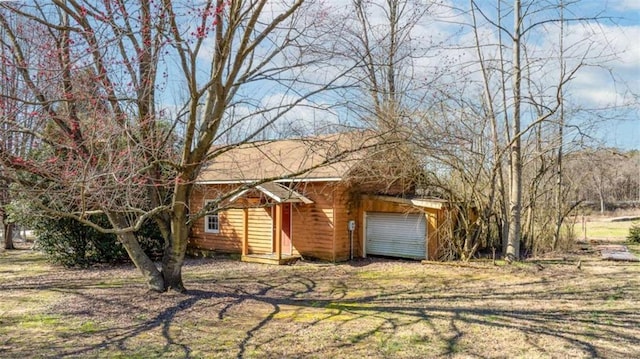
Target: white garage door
396, 235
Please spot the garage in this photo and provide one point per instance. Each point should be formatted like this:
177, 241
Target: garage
396, 234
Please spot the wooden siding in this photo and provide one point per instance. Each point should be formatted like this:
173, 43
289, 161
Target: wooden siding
260, 231
229, 238
312, 231
319, 230
344, 210
312, 224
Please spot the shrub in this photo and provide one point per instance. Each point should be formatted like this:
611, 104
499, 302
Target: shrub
151, 240
70, 243
634, 233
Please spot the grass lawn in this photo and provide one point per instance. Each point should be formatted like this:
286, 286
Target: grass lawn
608, 230
366, 309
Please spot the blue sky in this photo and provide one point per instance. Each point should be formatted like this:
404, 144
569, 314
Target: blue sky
609, 50
611, 79
626, 13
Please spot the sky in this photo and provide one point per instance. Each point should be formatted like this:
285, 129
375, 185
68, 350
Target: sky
608, 50
597, 84
609, 77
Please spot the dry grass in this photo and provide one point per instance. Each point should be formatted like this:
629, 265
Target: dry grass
369, 308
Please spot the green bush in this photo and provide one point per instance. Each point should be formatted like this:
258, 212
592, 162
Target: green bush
151, 240
70, 243
634, 233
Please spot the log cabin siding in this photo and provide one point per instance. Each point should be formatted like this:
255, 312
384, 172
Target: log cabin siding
229, 238
260, 230
344, 211
312, 224
318, 230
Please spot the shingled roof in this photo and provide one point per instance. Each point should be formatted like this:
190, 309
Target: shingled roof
327, 157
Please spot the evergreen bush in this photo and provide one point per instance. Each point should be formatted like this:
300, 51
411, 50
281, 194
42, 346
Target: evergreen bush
634, 233
70, 243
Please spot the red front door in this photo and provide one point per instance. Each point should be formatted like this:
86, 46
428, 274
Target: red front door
286, 228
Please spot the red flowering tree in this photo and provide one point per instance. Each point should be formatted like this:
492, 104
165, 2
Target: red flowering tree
124, 99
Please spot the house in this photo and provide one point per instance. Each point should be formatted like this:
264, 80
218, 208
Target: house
331, 197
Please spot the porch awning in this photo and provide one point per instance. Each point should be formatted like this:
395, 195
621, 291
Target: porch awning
277, 192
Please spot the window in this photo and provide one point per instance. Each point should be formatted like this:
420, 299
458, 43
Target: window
211, 222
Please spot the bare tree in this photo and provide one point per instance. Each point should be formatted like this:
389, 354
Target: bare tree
528, 88
502, 150
6, 109
15, 143
611, 179
109, 143
384, 40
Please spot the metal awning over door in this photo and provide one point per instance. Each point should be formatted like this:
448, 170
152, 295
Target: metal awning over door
396, 235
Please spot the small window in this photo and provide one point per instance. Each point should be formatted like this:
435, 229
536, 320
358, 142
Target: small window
211, 222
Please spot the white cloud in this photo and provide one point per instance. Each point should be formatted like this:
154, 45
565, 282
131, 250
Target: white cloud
282, 114
627, 5
612, 57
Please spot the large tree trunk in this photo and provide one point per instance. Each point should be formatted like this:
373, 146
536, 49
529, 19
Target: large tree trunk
174, 252
515, 200
140, 259
148, 269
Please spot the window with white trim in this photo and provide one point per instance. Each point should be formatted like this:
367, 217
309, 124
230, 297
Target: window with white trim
211, 221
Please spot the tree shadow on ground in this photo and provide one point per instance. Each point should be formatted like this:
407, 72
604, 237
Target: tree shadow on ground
267, 311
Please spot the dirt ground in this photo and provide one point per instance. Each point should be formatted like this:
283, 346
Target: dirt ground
374, 308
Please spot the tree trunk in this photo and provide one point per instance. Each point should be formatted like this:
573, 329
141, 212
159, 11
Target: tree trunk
174, 252
513, 242
498, 188
560, 154
148, 269
528, 232
559, 199
140, 259
515, 200
8, 235
601, 197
